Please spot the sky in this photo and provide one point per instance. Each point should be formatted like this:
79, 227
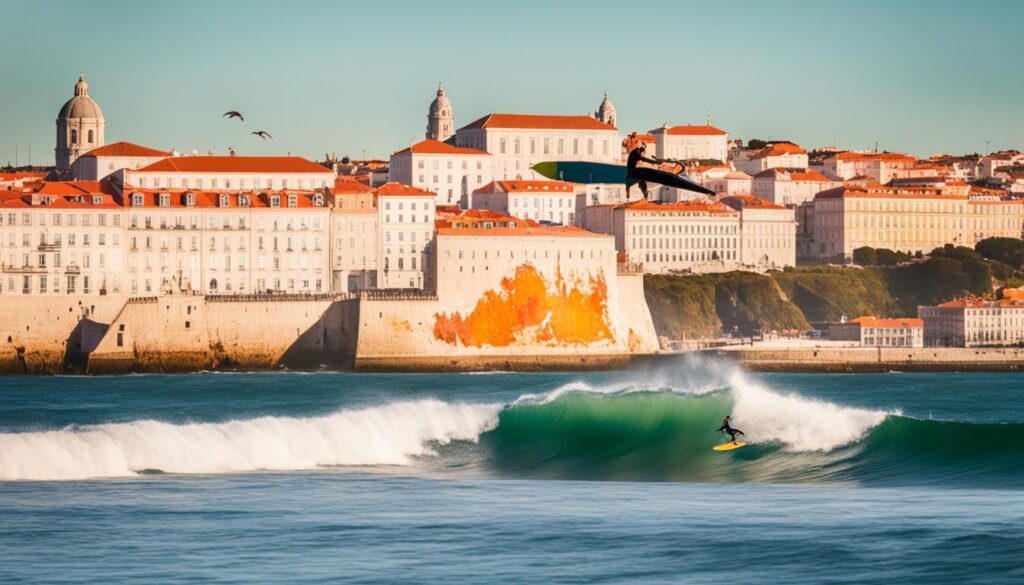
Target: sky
356, 78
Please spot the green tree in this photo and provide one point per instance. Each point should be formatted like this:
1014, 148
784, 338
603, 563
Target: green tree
1009, 251
865, 256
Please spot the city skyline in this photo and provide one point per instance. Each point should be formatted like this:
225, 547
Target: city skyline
335, 80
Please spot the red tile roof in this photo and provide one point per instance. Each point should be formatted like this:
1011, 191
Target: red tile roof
538, 122
779, 149
794, 175
699, 206
125, 149
430, 146
887, 323
539, 187
235, 164
707, 130
212, 199
742, 201
345, 184
393, 188
472, 223
871, 156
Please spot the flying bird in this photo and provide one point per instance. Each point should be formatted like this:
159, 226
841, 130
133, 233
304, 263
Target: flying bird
234, 114
263, 134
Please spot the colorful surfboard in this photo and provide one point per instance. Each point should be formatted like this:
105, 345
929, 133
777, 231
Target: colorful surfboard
729, 446
589, 173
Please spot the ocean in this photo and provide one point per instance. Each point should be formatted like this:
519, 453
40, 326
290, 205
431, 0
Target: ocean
596, 477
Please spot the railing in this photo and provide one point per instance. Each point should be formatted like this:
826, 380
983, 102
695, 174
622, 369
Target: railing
271, 297
629, 268
396, 295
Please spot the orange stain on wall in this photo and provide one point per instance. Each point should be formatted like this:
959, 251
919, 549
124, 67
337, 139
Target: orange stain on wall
566, 315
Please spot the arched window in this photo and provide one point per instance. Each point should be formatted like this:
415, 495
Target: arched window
90, 137
74, 136
213, 284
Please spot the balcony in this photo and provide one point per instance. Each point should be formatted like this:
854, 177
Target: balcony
51, 247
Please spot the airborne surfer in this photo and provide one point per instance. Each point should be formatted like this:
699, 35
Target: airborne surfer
727, 428
635, 172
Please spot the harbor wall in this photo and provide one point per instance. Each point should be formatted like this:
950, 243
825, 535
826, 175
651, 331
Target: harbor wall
874, 359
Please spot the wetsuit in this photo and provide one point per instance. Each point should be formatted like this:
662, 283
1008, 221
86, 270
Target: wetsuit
732, 432
635, 172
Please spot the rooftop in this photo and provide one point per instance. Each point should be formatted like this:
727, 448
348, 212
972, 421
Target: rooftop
538, 122
125, 149
234, 164
706, 130
517, 186
431, 146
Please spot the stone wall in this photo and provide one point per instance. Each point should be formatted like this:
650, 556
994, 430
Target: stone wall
873, 359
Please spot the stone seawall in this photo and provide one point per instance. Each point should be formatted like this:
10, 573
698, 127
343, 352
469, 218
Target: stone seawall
379, 330
871, 359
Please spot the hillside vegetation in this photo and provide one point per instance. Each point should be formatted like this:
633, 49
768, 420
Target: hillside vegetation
707, 305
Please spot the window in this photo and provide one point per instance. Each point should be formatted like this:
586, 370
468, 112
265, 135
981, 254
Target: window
74, 136
89, 141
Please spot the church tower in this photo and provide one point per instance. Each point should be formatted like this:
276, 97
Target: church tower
80, 127
606, 111
441, 119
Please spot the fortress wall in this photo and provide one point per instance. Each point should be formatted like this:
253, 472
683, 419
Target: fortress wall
175, 334
635, 314
36, 331
873, 359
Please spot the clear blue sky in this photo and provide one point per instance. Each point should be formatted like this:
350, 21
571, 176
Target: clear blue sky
331, 76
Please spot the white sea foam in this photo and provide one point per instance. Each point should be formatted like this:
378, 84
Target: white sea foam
386, 435
799, 422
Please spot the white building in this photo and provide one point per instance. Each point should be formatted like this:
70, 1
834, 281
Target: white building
355, 231
406, 246
450, 171
875, 332
784, 155
227, 243
911, 219
767, 233
231, 173
518, 141
99, 163
790, 187
692, 143
973, 323
882, 167
541, 201
61, 239
689, 236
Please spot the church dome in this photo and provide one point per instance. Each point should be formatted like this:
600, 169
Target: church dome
81, 106
606, 111
440, 106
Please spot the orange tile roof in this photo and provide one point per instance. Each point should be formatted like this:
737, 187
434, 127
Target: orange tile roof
705, 207
779, 149
234, 164
707, 130
868, 156
538, 122
742, 201
431, 146
472, 221
517, 186
21, 176
211, 199
393, 189
124, 149
794, 175
345, 184
80, 201
887, 323
876, 191
73, 188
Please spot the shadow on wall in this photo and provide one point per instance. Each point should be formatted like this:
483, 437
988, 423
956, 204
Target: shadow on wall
82, 340
330, 342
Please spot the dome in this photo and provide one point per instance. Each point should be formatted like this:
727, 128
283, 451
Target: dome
440, 106
81, 106
606, 108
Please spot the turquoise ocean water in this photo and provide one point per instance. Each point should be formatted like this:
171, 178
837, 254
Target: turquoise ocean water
512, 478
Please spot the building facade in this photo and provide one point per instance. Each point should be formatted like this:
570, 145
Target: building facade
875, 332
788, 186
106, 161
354, 236
406, 218
973, 323
692, 143
767, 233
785, 155
518, 141
551, 202
451, 172
232, 173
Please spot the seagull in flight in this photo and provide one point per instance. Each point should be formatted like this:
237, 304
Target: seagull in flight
263, 134
234, 114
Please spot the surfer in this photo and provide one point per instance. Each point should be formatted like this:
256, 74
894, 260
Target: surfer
727, 428
636, 156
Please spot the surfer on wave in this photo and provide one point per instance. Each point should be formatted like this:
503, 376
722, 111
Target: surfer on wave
727, 428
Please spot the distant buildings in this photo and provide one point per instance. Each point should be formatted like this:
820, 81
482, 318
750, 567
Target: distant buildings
875, 332
974, 323
692, 143
789, 186
767, 233
552, 202
784, 155
911, 219
80, 128
881, 167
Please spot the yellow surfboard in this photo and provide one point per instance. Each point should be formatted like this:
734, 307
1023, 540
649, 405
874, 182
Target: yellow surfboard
729, 446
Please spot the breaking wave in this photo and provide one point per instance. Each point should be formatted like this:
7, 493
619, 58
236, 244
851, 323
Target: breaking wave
657, 430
